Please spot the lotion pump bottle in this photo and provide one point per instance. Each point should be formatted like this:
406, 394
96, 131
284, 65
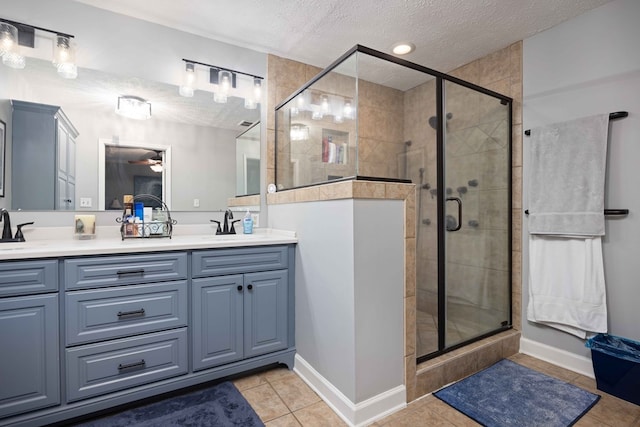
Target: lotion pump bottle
247, 223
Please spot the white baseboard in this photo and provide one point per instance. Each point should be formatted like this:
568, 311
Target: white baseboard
562, 358
354, 414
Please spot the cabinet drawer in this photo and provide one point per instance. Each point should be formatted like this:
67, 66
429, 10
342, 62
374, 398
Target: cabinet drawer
123, 270
28, 277
240, 260
97, 369
101, 314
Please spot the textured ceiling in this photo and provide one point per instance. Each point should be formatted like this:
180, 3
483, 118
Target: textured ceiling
447, 33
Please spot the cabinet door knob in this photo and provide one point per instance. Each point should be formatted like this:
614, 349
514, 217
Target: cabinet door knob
239, 287
250, 287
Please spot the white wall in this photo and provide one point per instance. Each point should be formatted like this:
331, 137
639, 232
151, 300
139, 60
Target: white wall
586, 66
349, 294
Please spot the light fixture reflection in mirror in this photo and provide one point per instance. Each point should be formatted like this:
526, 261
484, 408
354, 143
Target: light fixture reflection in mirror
133, 107
299, 132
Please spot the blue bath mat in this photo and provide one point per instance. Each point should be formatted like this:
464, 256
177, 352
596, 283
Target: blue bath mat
220, 405
508, 394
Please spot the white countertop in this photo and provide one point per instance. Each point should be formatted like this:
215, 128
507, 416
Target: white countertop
44, 248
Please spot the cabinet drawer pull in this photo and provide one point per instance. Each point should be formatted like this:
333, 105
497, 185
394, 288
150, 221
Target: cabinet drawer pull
250, 287
139, 271
140, 364
136, 313
239, 287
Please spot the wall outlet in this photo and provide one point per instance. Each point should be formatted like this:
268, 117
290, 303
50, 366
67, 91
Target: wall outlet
255, 217
85, 202
196, 203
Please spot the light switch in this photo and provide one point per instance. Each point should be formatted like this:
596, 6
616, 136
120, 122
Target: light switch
85, 202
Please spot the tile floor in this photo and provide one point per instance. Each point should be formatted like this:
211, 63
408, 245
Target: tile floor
281, 398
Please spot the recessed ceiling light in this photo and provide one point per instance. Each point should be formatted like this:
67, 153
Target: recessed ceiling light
403, 48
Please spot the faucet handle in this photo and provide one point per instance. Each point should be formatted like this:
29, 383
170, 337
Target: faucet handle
19, 236
218, 230
232, 229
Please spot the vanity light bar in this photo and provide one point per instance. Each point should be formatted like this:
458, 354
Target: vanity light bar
222, 69
26, 32
15, 34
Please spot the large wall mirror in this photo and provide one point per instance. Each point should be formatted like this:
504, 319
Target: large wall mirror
193, 143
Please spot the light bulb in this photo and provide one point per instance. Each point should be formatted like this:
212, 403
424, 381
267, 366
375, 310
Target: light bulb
8, 38
257, 89
64, 57
9, 49
324, 104
188, 80
224, 81
347, 110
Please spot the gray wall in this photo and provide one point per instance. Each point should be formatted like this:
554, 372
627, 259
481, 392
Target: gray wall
586, 66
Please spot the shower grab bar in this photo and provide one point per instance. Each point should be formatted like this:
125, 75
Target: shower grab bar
607, 212
612, 116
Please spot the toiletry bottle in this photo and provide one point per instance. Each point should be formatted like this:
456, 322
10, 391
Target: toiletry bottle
138, 210
127, 200
247, 223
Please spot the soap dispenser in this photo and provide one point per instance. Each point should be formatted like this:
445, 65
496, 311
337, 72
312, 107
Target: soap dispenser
247, 223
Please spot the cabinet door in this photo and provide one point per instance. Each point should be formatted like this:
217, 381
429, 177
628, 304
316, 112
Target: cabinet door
265, 312
29, 368
217, 320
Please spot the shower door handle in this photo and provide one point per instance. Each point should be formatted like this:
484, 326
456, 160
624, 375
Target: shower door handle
459, 222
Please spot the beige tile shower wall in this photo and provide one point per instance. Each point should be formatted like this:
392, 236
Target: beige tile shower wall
380, 130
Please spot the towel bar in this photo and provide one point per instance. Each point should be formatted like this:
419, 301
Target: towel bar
607, 212
612, 116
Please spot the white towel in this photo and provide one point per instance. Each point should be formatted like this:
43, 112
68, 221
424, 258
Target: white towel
566, 284
567, 173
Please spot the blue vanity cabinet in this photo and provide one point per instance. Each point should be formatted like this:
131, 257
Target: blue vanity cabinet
126, 322
89, 333
29, 344
239, 316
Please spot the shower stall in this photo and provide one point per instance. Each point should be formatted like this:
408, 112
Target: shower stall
373, 116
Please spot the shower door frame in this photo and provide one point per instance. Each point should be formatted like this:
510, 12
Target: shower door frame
441, 211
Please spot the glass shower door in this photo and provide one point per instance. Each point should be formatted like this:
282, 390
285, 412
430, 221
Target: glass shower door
476, 220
